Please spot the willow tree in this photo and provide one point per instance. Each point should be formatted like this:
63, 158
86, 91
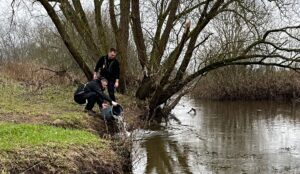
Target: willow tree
176, 42
180, 44
95, 43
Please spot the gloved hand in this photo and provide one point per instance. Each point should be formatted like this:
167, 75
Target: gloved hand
114, 103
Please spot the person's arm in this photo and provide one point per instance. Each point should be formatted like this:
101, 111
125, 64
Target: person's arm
105, 97
95, 87
97, 67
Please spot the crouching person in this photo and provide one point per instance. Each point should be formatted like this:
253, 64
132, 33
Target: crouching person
93, 92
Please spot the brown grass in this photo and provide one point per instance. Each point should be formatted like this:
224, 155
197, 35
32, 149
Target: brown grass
238, 83
32, 74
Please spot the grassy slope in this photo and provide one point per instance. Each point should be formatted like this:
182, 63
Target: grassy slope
49, 103
16, 136
26, 136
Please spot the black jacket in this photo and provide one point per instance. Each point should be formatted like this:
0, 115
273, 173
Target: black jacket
95, 86
109, 68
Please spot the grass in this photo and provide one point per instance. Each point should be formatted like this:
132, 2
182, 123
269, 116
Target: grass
35, 135
16, 136
50, 103
18, 99
26, 148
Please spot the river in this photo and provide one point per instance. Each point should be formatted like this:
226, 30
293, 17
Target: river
223, 137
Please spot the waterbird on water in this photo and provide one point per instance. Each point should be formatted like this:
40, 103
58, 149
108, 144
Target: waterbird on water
193, 110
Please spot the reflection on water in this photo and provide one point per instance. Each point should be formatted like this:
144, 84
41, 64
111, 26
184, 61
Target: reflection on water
224, 137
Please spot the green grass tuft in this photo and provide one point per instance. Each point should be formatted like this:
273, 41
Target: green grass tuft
15, 136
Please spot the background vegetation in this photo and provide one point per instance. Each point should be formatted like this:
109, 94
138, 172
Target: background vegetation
249, 83
175, 42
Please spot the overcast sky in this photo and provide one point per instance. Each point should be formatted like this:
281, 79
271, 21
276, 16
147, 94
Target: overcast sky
34, 12
26, 11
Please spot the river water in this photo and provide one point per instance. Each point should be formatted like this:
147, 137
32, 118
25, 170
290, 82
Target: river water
223, 137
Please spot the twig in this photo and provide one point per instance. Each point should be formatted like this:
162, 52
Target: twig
32, 167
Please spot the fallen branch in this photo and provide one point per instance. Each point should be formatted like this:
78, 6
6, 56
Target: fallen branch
61, 73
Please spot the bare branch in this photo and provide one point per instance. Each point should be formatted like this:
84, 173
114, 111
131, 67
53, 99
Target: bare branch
138, 33
81, 14
203, 21
112, 14
279, 30
102, 38
189, 10
158, 49
166, 34
66, 38
12, 4
170, 63
87, 37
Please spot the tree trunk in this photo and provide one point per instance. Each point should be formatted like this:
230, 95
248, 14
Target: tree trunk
145, 89
121, 32
67, 40
123, 67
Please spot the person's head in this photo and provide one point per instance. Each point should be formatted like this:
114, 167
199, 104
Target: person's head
112, 53
103, 82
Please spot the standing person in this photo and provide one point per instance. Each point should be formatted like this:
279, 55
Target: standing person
93, 92
110, 69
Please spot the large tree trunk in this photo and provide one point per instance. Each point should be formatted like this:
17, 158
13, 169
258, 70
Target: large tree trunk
123, 67
146, 88
121, 32
165, 85
102, 38
67, 40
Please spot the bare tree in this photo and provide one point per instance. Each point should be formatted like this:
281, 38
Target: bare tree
64, 12
171, 36
175, 45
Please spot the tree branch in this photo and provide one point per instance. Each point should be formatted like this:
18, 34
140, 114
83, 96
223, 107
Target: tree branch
279, 30
202, 23
189, 10
169, 65
166, 34
71, 15
157, 51
66, 38
112, 14
81, 14
102, 38
138, 34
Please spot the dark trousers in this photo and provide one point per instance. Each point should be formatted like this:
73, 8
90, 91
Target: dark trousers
111, 90
92, 98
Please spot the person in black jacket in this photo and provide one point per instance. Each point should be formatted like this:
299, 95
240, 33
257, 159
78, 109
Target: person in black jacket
110, 69
93, 92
